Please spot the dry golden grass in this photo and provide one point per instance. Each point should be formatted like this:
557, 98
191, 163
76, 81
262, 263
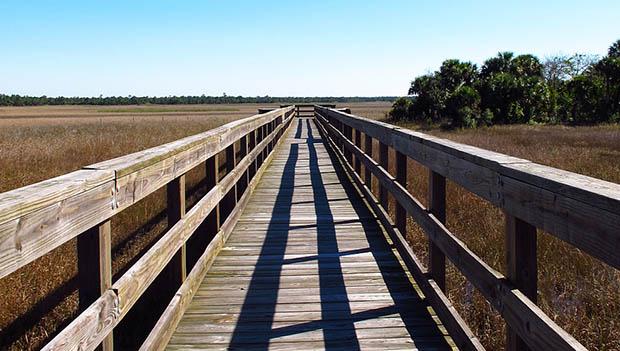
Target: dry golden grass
578, 292
37, 143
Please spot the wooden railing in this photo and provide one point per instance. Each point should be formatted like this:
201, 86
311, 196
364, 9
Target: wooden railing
579, 210
36, 219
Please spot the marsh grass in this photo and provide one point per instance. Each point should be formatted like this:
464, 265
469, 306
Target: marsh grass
41, 297
578, 292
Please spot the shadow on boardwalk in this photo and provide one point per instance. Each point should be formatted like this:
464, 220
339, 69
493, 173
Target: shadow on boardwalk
337, 322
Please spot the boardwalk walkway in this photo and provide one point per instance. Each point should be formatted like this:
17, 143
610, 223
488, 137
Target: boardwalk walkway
307, 267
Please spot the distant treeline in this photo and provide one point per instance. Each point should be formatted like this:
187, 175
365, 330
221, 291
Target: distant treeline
18, 100
577, 89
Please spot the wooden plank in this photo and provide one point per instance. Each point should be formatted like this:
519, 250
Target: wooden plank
39, 218
454, 323
162, 332
368, 151
582, 211
94, 249
358, 143
521, 268
384, 162
176, 270
230, 199
219, 312
401, 177
531, 324
437, 207
91, 328
94, 324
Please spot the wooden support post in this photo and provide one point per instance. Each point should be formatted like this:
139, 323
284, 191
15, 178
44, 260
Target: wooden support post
266, 149
348, 133
521, 266
383, 162
95, 268
229, 201
368, 151
259, 138
176, 269
401, 177
358, 143
251, 146
243, 181
437, 206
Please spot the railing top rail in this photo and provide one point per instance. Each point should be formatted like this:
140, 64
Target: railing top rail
37, 218
581, 210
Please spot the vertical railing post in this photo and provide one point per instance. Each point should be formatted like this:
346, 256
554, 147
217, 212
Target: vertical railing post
368, 151
243, 181
212, 222
383, 162
437, 207
229, 201
521, 267
177, 269
265, 150
401, 177
251, 146
348, 133
358, 143
259, 138
95, 268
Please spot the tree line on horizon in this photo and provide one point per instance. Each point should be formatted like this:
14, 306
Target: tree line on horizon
509, 89
19, 100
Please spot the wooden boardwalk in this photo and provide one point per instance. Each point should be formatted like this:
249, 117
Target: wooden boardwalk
308, 266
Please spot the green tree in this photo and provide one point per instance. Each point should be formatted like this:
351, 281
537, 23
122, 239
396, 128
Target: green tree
400, 109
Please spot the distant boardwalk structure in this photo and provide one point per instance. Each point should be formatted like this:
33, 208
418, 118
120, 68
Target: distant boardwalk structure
290, 249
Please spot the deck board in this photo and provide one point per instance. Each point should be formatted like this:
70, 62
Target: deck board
308, 267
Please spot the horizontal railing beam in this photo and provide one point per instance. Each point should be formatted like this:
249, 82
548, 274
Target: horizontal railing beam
132, 284
580, 210
525, 318
38, 218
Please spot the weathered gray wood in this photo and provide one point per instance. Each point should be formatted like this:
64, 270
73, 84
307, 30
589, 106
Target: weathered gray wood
531, 324
459, 330
98, 319
38, 218
91, 328
368, 151
95, 268
384, 162
521, 267
437, 207
167, 323
176, 270
230, 199
293, 192
540, 195
358, 143
401, 177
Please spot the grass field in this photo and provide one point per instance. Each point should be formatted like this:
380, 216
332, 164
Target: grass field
37, 143
578, 292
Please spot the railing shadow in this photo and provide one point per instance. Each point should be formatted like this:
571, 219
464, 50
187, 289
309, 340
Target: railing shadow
265, 281
337, 321
413, 310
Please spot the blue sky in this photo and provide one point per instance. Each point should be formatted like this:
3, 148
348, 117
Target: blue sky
277, 48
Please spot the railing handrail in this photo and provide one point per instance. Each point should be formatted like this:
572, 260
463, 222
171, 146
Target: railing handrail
585, 210
568, 205
38, 218
95, 323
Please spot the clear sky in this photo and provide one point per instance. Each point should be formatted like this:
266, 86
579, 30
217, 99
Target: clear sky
276, 48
